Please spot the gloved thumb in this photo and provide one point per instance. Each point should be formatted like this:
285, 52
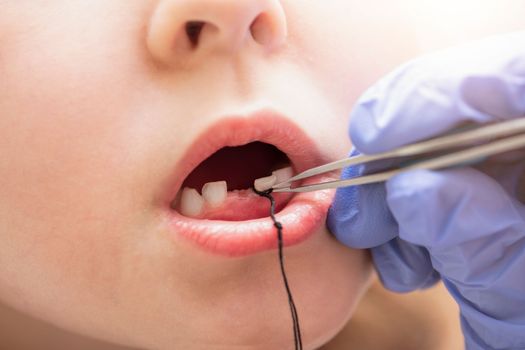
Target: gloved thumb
359, 216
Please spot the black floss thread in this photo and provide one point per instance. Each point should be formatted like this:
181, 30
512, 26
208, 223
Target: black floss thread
295, 318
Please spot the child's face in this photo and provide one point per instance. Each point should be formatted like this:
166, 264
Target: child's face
99, 103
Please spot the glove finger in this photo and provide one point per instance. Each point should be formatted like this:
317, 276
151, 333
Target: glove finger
444, 209
474, 232
480, 82
404, 267
359, 216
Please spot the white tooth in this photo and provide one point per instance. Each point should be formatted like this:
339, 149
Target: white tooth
191, 202
265, 183
215, 192
283, 174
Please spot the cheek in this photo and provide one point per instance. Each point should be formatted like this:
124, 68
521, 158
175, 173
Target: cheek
350, 44
66, 139
62, 199
345, 49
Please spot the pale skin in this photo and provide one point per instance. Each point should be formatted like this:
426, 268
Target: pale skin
94, 114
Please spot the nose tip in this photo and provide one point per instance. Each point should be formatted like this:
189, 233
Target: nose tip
186, 28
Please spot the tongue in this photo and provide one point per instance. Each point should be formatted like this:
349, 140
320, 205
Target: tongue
243, 205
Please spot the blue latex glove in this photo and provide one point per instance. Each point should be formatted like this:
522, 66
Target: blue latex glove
465, 225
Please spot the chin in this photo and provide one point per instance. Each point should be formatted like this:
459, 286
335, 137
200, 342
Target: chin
246, 306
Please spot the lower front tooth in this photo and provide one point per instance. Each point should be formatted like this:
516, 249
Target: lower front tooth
215, 193
191, 202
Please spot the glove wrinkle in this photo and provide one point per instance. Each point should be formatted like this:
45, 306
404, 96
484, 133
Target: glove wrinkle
417, 200
404, 267
483, 331
497, 96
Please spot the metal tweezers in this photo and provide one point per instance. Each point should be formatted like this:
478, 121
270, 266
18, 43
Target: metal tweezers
457, 149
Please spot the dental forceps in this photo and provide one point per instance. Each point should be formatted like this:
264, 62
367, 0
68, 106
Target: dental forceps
456, 149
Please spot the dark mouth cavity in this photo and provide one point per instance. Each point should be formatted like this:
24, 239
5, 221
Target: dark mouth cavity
238, 166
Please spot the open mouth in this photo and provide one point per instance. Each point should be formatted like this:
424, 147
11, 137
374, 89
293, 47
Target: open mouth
219, 188
212, 203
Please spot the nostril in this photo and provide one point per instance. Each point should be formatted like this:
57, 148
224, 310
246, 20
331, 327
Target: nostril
193, 32
260, 30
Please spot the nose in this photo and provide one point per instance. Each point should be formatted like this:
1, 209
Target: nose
183, 29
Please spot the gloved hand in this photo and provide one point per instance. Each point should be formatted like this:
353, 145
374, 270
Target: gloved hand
464, 225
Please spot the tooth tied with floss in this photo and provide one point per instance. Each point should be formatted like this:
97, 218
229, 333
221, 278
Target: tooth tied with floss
213, 195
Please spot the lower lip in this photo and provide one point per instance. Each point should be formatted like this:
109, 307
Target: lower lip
302, 217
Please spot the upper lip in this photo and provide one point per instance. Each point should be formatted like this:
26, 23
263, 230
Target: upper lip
264, 126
